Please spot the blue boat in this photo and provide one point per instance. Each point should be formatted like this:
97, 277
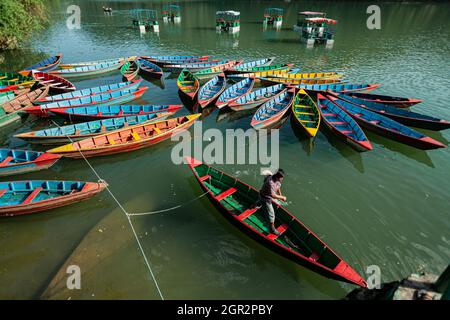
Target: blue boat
25, 197
106, 99
15, 161
80, 131
343, 87
89, 70
150, 69
235, 91
272, 113
130, 85
406, 117
342, 124
251, 64
46, 64
211, 90
385, 126
193, 66
98, 113
256, 98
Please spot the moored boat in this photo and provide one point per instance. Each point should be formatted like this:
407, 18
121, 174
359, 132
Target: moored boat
306, 113
128, 139
130, 69
256, 98
272, 112
57, 84
398, 102
90, 92
275, 68
98, 113
234, 92
89, 63
343, 125
188, 84
291, 81
211, 90
25, 100
8, 118
194, 67
79, 131
89, 70
106, 99
339, 87
403, 116
15, 161
45, 65
213, 71
236, 201
25, 197
149, 69
165, 60
12, 81
251, 64
385, 126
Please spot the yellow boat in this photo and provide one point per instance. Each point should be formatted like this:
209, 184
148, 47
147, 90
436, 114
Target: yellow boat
310, 75
275, 80
306, 113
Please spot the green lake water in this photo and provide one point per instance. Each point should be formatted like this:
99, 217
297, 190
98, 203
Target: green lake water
388, 207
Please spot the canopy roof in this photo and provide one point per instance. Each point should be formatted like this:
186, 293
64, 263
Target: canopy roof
312, 13
228, 12
321, 20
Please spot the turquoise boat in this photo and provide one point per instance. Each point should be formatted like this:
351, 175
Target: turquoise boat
46, 64
80, 131
256, 98
272, 113
6, 96
234, 92
15, 161
89, 70
340, 87
129, 85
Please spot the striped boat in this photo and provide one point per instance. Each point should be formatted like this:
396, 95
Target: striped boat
25, 197
343, 125
272, 113
15, 161
45, 65
188, 84
130, 69
193, 67
234, 92
75, 132
11, 81
130, 85
149, 69
97, 113
306, 113
274, 80
251, 64
89, 70
211, 90
89, 63
256, 98
162, 61
57, 84
107, 99
344, 87
213, 71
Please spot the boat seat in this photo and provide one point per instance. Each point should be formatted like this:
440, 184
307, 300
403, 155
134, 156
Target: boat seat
358, 114
32, 195
306, 113
338, 122
347, 131
247, 213
314, 256
135, 136
281, 229
2, 192
157, 130
204, 178
6, 161
103, 129
329, 114
225, 194
77, 132
375, 121
110, 140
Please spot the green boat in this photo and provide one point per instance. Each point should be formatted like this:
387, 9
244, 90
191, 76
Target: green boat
11, 79
8, 118
236, 200
6, 96
280, 67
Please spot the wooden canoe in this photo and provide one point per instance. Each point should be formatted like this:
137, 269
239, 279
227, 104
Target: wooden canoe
218, 69
89, 63
258, 74
281, 68
79, 131
236, 201
45, 65
149, 69
25, 100
234, 92
256, 98
89, 70
106, 99
194, 66
211, 90
10, 81
343, 125
8, 118
242, 67
188, 84
130, 69
290, 81
25, 197
164, 61
397, 102
343, 88
403, 116
272, 113
57, 84
306, 113
7, 96
98, 113
15, 161
128, 139
385, 126
109, 88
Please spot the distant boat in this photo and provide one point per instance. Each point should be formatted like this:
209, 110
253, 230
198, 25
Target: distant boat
15, 161
218, 69
44, 65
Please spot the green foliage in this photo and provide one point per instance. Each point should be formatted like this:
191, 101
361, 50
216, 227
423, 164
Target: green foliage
18, 19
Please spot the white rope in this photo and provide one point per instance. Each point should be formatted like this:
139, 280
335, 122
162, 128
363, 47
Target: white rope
128, 218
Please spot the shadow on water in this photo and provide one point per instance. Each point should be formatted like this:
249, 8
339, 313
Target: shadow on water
203, 28
353, 156
306, 141
230, 115
156, 82
284, 41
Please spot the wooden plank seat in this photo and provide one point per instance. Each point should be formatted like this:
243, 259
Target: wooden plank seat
247, 213
225, 194
347, 131
32, 195
329, 114
204, 178
2, 192
281, 229
338, 122
6, 161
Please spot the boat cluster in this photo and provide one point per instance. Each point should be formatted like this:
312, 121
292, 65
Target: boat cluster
102, 122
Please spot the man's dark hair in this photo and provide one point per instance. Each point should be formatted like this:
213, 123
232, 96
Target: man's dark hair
279, 174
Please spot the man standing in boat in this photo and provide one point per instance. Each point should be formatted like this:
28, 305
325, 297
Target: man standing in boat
268, 193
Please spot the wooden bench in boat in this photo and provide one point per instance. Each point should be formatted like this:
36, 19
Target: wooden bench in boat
32, 195
281, 229
2, 192
338, 122
247, 213
6, 161
225, 194
204, 178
